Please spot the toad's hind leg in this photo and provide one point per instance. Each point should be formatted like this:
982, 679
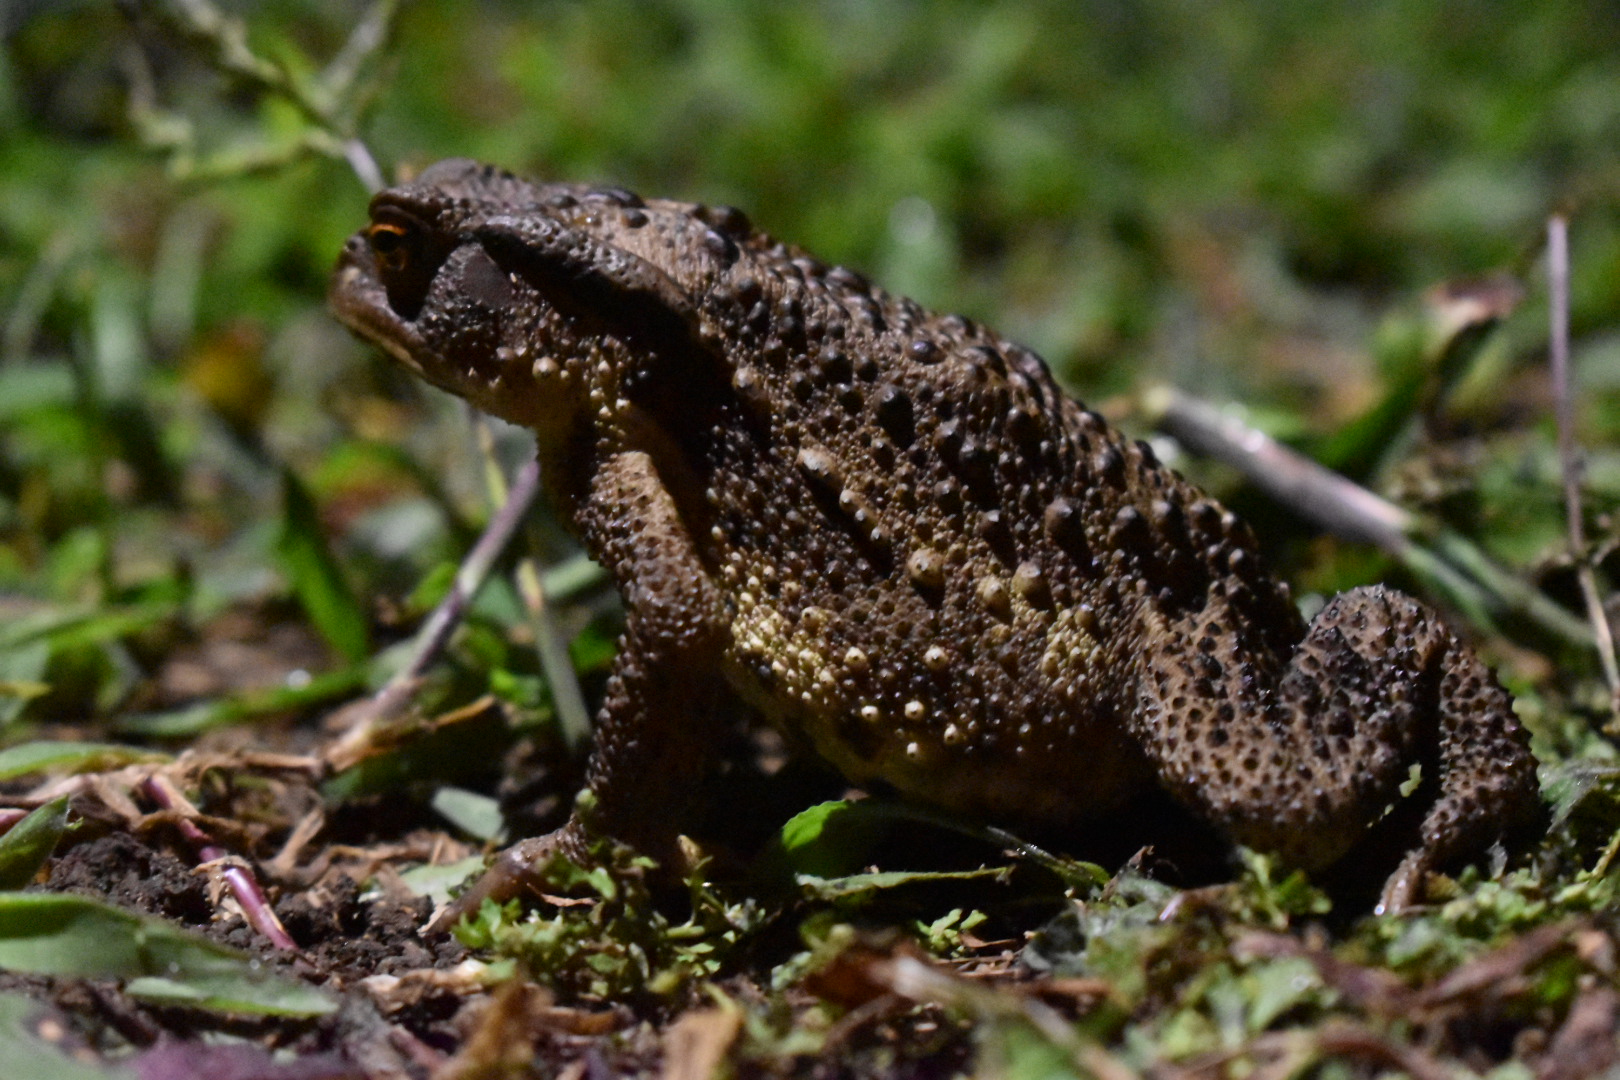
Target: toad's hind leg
1487, 775
1303, 763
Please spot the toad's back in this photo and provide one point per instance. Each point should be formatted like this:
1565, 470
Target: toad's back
940, 568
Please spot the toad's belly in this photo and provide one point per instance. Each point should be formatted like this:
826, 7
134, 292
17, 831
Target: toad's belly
976, 755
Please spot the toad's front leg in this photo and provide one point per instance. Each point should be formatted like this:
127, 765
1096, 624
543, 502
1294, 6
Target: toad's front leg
655, 731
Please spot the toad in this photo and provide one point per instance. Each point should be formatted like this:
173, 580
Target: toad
892, 534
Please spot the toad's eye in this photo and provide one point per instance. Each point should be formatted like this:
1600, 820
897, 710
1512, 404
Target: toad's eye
393, 243
408, 254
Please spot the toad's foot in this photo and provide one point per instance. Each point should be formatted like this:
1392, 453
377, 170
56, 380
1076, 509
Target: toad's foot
514, 873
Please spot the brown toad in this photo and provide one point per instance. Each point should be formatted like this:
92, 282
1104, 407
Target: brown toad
891, 533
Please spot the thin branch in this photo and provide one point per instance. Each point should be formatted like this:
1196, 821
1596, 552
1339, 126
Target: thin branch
470, 578
223, 40
573, 716
1334, 502
365, 166
391, 700
1569, 455
1450, 562
331, 105
366, 42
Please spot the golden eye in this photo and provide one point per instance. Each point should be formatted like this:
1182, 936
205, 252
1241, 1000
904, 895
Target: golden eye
408, 253
391, 243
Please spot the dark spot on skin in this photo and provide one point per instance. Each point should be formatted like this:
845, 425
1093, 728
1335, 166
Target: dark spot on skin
721, 246
847, 278
988, 358
730, 220
835, 368
893, 409
1109, 463
1024, 428
622, 197
925, 352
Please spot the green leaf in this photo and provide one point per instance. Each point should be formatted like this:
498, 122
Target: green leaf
245, 991
853, 885
188, 721
315, 575
70, 757
1016, 1049
458, 744
433, 588
833, 838
22, 677
472, 813
27, 844
51, 934
438, 882
26, 388
1272, 989
1573, 787
74, 651
1077, 874
571, 577
64, 627
944, 934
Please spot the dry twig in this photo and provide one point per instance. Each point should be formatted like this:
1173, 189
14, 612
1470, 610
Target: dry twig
573, 716
1450, 562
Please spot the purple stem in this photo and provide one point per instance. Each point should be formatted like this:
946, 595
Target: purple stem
243, 885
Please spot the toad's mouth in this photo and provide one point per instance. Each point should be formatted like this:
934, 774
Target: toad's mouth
359, 299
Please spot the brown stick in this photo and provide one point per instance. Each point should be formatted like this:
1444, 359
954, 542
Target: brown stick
1449, 562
